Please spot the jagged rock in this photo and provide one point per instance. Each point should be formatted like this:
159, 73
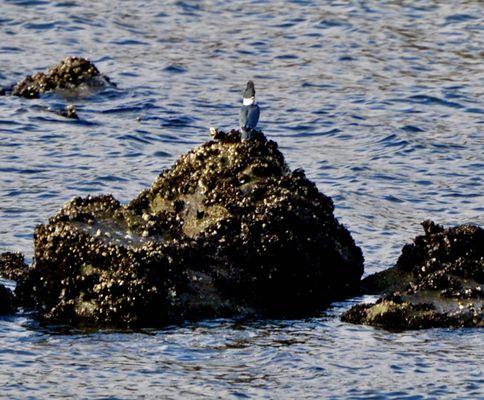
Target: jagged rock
68, 74
228, 230
438, 281
12, 266
7, 304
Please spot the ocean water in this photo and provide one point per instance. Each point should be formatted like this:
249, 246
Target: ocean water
380, 102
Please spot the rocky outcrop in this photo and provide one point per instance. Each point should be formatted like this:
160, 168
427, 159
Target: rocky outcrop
438, 281
228, 230
69, 74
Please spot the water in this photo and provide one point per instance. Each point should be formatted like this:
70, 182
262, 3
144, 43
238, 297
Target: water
381, 104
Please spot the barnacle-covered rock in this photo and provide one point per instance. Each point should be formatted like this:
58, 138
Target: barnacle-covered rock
12, 266
68, 74
228, 230
7, 303
438, 281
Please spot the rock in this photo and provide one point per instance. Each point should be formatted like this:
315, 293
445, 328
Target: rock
229, 230
12, 266
7, 304
438, 281
67, 75
69, 112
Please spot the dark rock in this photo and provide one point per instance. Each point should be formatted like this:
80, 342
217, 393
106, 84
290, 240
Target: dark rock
438, 281
12, 266
7, 303
68, 75
228, 230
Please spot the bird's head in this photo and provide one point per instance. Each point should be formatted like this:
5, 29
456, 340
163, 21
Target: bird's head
249, 91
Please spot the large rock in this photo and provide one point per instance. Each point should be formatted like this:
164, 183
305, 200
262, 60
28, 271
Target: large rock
438, 281
69, 74
228, 230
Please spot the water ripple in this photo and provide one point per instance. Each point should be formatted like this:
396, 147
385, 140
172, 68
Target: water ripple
379, 102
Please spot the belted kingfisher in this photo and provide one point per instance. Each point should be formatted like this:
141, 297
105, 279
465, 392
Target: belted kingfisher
249, 112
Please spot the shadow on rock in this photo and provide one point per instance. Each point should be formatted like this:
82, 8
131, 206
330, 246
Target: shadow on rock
437, 282
229, 230
7, 301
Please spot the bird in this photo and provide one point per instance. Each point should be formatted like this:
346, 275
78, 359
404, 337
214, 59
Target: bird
249, 112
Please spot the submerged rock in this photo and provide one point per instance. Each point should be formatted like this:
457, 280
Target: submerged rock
69, 111
438, 281
67, 75
228, 230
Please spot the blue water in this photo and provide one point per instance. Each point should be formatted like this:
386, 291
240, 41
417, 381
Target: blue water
380, 102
